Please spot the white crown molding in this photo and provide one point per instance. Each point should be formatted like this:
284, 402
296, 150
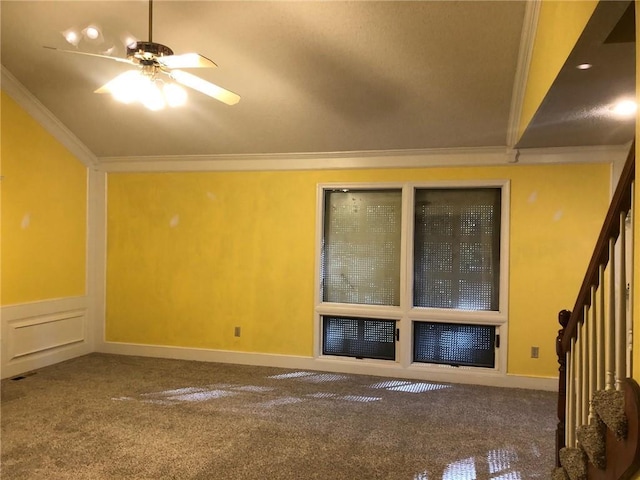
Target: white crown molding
424, 158
527, 40
45, 118
308, 161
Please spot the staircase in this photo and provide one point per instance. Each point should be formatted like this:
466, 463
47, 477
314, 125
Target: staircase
598, 405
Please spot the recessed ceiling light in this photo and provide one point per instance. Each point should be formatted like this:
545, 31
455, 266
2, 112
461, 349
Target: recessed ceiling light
584, 66
625, 108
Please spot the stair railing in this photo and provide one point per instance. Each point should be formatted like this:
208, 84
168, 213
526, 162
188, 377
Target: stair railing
593, 345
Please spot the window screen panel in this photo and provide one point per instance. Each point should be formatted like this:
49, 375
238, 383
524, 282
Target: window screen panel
359, 337
361, 247
454, 344
457, 248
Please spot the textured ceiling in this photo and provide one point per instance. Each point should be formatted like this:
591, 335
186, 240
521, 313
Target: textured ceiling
313, 76
577, 110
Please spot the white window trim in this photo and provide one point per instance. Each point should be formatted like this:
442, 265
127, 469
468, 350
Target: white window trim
406, 313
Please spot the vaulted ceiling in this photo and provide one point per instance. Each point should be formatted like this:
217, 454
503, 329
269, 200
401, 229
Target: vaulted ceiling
320, 76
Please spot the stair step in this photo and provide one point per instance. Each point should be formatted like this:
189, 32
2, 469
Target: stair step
574, 461
609, 405
592, 439
559, 474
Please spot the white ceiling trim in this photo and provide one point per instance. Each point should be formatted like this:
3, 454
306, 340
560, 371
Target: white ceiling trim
310, 161
527, 39
427, 158
12, 87
417, 158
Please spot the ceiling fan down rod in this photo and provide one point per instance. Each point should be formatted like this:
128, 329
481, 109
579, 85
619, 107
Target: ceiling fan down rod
150, 21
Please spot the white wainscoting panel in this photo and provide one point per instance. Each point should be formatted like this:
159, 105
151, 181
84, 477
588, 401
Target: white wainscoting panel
38, 334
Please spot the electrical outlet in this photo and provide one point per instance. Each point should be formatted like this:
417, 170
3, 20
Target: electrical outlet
236, 332
535, 352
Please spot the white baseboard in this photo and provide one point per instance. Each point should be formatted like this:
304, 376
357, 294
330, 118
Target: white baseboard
357, 367
38, 334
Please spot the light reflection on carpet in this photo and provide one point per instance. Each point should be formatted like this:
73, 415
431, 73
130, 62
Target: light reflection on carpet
409, 387
418, 387
187, 394
221, 390
501, 460
359, 398
279, 401
390, 383
464, 469
200, 396
253, 388
499, 463
291, 375
310, 377
323, 378
321, 395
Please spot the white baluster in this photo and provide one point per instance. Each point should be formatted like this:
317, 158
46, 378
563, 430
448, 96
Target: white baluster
600, 331
621, 320
630, 276
570, 417
578, 375
610, 322
584, 380
591, 318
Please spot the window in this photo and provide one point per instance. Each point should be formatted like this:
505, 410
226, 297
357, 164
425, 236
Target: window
457, 248
359, 337
425, 259
454, 344
361, 261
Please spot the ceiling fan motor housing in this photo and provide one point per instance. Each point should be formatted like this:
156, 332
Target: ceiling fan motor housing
147, 52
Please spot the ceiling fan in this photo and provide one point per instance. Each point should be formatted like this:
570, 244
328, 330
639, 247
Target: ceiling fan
155, 61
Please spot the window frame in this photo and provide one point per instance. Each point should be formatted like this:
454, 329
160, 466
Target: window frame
406, 313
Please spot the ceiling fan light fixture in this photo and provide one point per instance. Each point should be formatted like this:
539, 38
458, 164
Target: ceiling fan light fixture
126, 87
151, 97
71, 36
153, 60
175, 95
91, 32
140, 86
128, 40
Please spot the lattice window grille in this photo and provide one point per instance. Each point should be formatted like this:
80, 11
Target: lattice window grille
359, 337
454, 344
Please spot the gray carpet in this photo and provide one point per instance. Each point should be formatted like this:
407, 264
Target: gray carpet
116, 417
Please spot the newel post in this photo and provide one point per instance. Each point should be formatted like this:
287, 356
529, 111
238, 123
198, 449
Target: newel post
563, 319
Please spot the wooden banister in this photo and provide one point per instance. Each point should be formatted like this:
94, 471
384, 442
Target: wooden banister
563, 319
621, 202
597, 363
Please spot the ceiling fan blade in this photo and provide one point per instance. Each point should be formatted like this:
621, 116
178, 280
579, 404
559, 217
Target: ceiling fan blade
111, 86
186, 60
191, 81
117, 59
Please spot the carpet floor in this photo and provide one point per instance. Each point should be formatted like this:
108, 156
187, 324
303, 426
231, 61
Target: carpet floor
116, 417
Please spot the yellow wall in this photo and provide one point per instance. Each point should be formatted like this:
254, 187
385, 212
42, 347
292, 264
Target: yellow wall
191, 255
43, 212
560, 24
